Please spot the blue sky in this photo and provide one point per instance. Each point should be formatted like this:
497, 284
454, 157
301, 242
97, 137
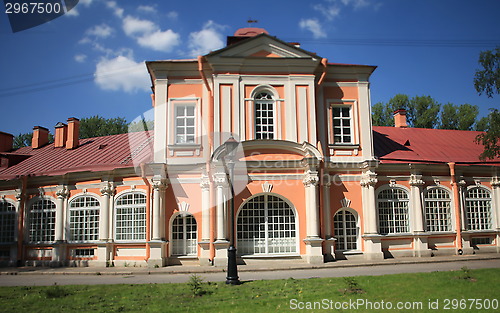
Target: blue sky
91, 60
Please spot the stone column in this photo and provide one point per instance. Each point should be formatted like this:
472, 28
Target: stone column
59, 250
104, 247
221, 243
314, 250
495, 185
420, 244
157, 244
372, 240
205, 221
327, 222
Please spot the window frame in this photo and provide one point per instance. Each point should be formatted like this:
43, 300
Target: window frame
134, 206
274, 125
48, 217
7, 217
87, 231
393, 208
342, 212
351, 104
489, 213
186, 104
187, 247
444, 221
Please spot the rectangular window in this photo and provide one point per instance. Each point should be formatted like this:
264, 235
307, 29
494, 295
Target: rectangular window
185, 128
342, 130
264, 119
83, 253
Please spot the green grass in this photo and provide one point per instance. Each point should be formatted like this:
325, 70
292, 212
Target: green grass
257, 296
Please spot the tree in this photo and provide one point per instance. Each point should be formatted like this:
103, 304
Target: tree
461, 117
381, 115
22, 140
423, 112
487, 81
97, 126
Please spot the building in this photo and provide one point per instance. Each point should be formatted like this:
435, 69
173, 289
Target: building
313, 179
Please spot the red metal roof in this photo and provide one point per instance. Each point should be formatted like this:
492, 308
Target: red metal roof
423, 145
92, 154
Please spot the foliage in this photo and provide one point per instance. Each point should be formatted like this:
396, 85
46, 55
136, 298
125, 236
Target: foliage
24, 140
461, 117
352, 286
490, 139
487, 80
140, 126
56, 291
196, 285
466, 274
97, 126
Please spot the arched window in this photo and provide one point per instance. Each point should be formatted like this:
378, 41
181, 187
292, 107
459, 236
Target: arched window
42, 221
7, 221
266, 225
184, 235
264, 116
84, 219
478, 208
437, 205
346, 231
393, 211
130, 217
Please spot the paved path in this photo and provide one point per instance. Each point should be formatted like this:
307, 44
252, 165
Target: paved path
46, 277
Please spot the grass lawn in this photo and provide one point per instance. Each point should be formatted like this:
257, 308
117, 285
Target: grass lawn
270, 295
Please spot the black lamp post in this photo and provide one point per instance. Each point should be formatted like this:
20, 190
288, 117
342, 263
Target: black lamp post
232, 268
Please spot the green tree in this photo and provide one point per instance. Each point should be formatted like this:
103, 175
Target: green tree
97, 126
141, 126
423, 112
487, 81
22, 140
381, 115
461, 117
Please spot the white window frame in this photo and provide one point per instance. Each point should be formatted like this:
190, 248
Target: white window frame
264, 244
184, 246
272, 102
479, 217
394, 225
86, 216
134, 220
186, 104
343, 238
343, 103
8, 222
437, 211
46, 233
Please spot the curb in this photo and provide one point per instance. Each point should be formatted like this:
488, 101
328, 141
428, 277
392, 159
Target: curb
331, 265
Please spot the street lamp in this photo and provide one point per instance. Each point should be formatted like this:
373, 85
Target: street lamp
232, 268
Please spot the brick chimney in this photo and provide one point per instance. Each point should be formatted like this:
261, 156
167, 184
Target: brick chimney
61, 135
6, 141
73, 133
400, 118
40, 137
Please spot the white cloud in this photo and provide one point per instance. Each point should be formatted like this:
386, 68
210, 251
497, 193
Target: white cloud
80, 58
146, 9
357, 4
86, 2
101, 31
118, 11
208, 39
313, 26
160, 40
121, 73
330, 12
134, 26
73, 12
172, 15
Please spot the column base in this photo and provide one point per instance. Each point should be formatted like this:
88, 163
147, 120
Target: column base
329, 252
205, 253
104, 254
58, 254
220, 259
421, 247
373, 247
157, 254
314, 250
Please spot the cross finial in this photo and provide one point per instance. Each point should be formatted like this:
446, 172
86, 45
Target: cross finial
250, 21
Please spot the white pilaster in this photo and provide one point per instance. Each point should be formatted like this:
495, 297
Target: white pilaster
106, 192
372, 241
205, 221
157, 223
420, 244
58, 253
160, 111
221, 184
314, 244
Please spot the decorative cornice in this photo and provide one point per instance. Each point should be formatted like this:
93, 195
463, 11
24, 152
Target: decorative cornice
220, 179
62, 193
416, 180
311, 178
108, 189
368, 179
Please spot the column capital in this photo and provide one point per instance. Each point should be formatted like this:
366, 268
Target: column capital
62, 193
416, 180
205, 182
311, 178
220, 179
495, 182
368, 179
159, 185
108, 189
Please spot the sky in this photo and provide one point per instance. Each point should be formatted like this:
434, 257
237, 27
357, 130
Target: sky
90, 61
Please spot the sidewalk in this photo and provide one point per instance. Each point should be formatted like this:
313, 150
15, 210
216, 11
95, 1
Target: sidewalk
265, 266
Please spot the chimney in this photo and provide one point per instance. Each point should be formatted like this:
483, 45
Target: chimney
400, 118
6, 141
61, 135
40, 137
73, 133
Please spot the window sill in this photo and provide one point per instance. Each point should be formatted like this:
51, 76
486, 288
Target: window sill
344, 149
184, 149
